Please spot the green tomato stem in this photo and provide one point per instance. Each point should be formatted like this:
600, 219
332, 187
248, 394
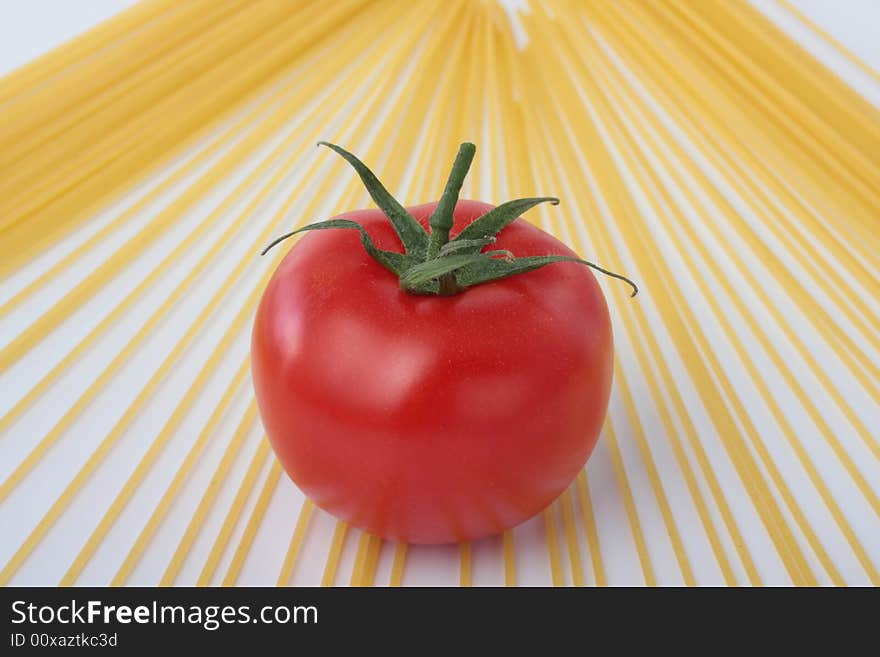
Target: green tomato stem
442, 218
431, 264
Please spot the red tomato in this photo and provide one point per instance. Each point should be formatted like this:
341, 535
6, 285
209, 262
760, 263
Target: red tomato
430, 419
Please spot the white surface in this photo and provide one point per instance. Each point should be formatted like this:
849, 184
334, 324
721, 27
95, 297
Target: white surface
29, 28
855, 23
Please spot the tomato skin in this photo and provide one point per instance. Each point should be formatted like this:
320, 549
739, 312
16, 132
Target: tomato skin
429, 419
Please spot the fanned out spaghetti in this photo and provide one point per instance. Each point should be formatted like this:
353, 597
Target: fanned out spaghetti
694, 145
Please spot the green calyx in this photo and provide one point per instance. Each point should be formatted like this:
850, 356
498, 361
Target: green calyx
432, 264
